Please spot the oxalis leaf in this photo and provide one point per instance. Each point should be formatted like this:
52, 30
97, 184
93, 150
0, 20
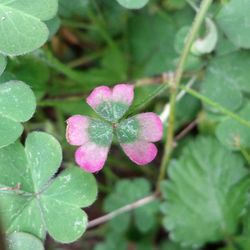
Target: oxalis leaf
23, 241
34, 202
17, 104
133, 4
21, 25
234, 19
206, 194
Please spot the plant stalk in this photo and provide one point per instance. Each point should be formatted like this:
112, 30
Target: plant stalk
174, 84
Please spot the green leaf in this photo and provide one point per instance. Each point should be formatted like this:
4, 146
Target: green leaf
128, 191
133, 4
35, 202
21, 26
225, 79
23, 241
17, 104
169, 245
53, 26
234, 20
3, 63
67, 9
157, 54
113, 241
233, 134
206, 194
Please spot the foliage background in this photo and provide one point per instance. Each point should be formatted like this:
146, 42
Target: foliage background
205, 202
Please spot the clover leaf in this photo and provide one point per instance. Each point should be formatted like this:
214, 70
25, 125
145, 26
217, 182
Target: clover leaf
234, 20
133, 4
33, 201
206, 195
21, 241
17, 104
21, 25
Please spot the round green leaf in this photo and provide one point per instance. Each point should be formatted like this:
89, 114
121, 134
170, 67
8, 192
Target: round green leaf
34, 201
44, 155
3, 63
223, 83
9, 131
17, 101
21, 26
206, 195
17, 104
234, 20
23, 241
133, 4
42, 9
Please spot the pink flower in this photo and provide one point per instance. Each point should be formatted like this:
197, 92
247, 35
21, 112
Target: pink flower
94, 136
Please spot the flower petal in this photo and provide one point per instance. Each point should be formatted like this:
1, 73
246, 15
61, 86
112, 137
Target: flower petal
140, 152
77, 130
91, 157
150, 127
99, 95
123, 93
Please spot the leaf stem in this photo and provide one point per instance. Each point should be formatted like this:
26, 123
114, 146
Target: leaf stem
215, 105
122, 210
174, 84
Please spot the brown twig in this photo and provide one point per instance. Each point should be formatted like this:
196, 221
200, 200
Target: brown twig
17, 187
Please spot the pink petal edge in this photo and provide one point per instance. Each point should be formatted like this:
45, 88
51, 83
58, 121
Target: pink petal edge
76, 131
151, 127
123, 93
140, 152
91, 157
99, 95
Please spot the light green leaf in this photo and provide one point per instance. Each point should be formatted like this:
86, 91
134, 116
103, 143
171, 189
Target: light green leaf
233, 134
3, 63
206, 194
133, 4
128, 191
234, 20
17, 104
157, 54
21, 26
23, 241
35, 202
53, 26
226, 77
67, 9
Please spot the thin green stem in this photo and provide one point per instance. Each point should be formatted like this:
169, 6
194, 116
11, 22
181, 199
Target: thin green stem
174, 84
216, 106
246, 155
